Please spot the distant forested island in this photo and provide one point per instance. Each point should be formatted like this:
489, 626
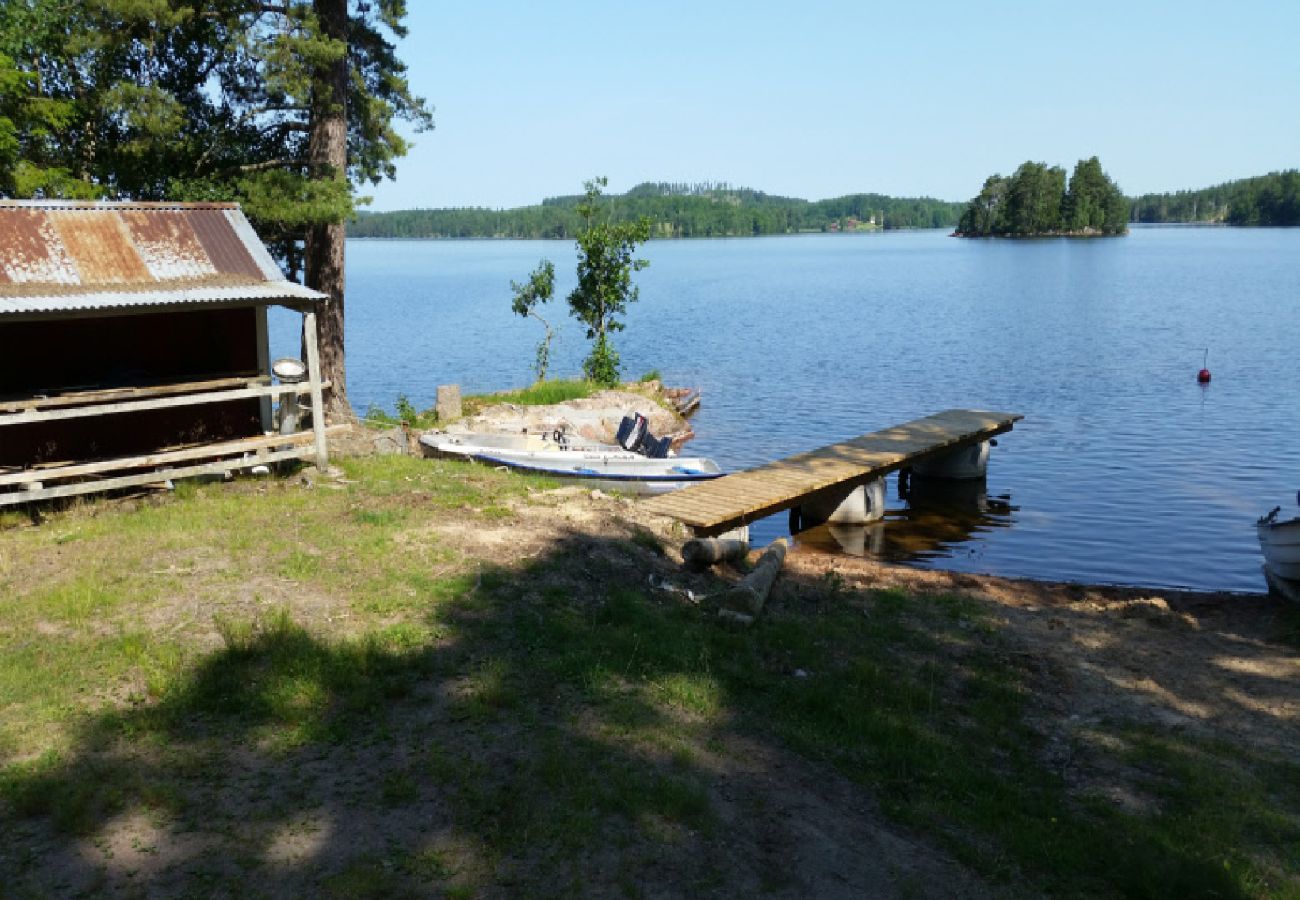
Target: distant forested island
1036, 201
675, 211
1272, 199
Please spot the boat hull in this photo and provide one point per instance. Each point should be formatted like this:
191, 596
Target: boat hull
615, 471
464, 446
1280, 544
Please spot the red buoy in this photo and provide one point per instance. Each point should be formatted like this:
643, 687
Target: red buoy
1203, 376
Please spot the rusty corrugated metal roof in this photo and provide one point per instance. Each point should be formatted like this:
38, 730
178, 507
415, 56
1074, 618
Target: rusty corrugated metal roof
63, 255
256, 292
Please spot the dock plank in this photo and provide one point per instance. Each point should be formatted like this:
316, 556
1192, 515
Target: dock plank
716, 506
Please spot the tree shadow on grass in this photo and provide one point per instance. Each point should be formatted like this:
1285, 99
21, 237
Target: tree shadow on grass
558, 730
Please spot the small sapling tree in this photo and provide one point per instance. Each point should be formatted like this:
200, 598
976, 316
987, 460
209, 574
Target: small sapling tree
538, 289
605, 288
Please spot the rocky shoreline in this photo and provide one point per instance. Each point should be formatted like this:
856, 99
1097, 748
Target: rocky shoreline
595, 418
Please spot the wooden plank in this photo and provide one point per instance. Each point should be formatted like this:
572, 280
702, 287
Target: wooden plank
751, 593
105, 409
263, 362
161, 458
766, 486
773, 478
107, 484
712, 507
717, 506
309, 332
704, 513
80, 397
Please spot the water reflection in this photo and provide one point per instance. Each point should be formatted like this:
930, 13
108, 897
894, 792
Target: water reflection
930, 519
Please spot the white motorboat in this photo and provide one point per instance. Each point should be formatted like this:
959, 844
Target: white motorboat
617, 469
556, 455
1280, 544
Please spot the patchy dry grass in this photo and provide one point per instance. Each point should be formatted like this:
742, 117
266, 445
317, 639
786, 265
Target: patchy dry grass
429, 677
541, 393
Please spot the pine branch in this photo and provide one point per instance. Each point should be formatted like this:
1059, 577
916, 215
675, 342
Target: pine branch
269, 164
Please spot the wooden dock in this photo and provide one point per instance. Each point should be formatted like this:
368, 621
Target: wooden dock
713, 507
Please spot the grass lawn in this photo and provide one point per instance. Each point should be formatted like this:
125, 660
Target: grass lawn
431, 678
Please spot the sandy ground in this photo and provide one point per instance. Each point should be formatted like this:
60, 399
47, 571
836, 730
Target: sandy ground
1211, 665
1220, 666
1208, 665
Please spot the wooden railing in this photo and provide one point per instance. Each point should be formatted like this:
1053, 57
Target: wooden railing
45, 482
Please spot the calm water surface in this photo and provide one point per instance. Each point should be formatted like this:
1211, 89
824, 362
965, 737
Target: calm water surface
1123, 471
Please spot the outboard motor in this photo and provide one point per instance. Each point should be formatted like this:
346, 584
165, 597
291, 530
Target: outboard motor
631, 432
656, 448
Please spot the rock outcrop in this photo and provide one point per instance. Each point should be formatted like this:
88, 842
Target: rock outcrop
595, 418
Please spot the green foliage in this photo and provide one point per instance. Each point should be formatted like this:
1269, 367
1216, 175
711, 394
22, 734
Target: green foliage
605, 266
1272, 199
198, 100
605, 288
543, 393
1036, 201
983, 212
404, 413
602, 365
1034, 197
675, 211
538, 289
28, 121
11, 83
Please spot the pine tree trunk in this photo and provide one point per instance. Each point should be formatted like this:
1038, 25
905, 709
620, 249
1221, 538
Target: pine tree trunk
327, 149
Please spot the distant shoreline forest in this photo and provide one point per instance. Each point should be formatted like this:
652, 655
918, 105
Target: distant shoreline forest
675, 211
1272, 199
719, 210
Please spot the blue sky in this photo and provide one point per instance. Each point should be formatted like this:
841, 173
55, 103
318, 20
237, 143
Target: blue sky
819, 99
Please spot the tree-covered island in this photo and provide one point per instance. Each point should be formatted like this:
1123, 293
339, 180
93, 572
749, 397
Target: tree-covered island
1036, 202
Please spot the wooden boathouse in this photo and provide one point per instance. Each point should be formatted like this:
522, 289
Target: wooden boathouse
134, 348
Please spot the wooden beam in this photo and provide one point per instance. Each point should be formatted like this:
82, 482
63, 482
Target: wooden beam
263, 361
310, 339
97, 395
104, 409
15, 498
160, 458
700, 553
751, 593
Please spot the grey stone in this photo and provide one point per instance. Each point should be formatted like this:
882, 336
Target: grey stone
391, 442
448, 404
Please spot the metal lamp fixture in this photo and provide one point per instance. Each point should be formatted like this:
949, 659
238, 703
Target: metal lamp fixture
290, 370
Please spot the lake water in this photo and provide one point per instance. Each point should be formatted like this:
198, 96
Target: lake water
1124, 469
